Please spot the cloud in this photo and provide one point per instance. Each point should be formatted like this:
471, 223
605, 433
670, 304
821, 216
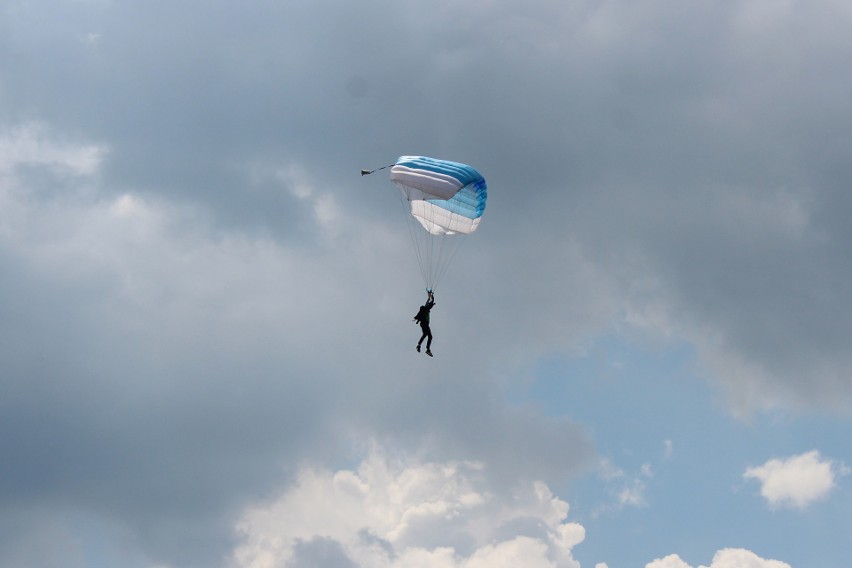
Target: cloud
33, 144
319, 551
798, 481
626, 490
633, 495
739, 558
670, 561
696, 200
397, 512
726, 558
137, 326
198, 287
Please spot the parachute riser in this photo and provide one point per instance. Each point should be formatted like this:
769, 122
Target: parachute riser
368, 172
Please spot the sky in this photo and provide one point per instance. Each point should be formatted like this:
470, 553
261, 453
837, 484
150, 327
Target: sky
641, 355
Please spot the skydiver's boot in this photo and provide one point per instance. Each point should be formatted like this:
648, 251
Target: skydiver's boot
428, 352
418, 348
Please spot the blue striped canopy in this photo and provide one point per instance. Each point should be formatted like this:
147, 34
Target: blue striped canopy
446, 197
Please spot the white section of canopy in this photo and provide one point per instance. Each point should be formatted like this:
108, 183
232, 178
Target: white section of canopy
439, 221
423, 184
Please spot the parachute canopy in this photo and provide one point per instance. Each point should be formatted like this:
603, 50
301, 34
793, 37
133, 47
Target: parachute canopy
445, 197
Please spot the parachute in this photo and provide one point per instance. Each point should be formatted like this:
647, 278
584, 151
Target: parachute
443, 201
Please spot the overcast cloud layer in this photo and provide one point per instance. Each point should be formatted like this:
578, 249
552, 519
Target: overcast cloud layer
203, 301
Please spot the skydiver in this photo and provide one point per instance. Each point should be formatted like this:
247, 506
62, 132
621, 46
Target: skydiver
422, 317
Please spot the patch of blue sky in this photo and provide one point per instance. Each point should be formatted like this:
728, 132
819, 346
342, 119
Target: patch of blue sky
674, 462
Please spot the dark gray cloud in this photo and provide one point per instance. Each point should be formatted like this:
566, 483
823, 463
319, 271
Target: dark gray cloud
322, 553
172, 356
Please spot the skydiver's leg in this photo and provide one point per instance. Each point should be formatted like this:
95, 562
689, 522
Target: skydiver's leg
424, 329
428, 334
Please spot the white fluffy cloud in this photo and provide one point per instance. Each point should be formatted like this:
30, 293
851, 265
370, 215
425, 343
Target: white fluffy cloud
797, 481
726, 558
390, 513
670, 561
402, 513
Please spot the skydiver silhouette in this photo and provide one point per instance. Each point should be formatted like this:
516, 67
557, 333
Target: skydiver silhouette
422, 317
